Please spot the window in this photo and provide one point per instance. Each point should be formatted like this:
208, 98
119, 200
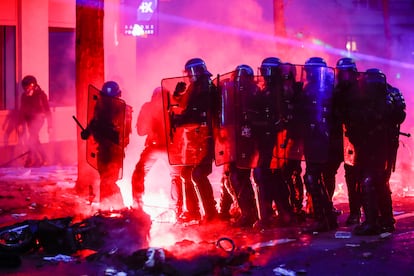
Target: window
8, 92
62, 67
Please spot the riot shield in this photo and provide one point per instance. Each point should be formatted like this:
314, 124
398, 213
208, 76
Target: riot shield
290, 139
225, 125
370, 128
106, 121
188, 141
233, 137
316, 104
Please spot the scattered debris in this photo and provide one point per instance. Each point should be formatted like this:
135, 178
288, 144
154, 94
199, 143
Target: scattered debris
283, 271
16, 216
343, 235
271, 243
60, 258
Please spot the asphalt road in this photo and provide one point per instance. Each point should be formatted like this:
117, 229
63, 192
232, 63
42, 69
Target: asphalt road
204, 249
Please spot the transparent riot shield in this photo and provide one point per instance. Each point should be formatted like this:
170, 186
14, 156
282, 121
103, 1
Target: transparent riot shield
316, 104
225, 123
233, 137
106, 121
247, 120
367, 100
289, 141
188, 137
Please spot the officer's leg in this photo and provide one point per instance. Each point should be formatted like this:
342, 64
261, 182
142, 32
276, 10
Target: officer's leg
369, 188
262, 178
226, 196
177, 189
387, 221
242, 185
325, 219
354, 195
200, 177
192, 209
280, 191
146, 161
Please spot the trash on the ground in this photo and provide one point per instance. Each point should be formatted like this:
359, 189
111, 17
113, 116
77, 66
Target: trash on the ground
19, 215
270, 243
385, 235
367, 255
280, 270
352, 245
113, 272
155, 255
60, 258
343, 235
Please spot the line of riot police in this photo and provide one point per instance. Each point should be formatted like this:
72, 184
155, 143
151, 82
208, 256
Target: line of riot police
261, 128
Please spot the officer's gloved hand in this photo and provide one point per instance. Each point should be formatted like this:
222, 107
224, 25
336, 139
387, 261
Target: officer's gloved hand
85, 134
180, 88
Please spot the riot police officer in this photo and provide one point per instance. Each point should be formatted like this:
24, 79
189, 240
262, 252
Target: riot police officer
240, 87
396, 116
110, 128
267, 129
293, 143
317, 118
347, 83
200, 102
368, 129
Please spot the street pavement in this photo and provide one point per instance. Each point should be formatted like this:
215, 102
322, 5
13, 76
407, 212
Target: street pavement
213, 248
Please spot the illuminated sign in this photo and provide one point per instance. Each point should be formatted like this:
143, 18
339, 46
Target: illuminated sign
139, 18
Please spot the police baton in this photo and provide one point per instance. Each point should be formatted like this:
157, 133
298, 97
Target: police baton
405, 134
77, 122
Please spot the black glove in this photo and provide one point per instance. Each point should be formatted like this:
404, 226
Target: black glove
180, 88
85, 134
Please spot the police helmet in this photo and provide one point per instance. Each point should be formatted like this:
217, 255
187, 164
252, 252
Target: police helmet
373, 71
315, 61
288, 71
346, 64
196, 67
269, 65
111, 88
243, 72
28, 80
374, 75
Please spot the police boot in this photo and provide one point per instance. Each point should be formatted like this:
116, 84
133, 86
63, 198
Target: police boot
192, 212
369, 203
247, 204
265, 211
354, 196
296, 196
286, 215
177, 195
226, 200
225, 206
386, 219
354, 201
325, 219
